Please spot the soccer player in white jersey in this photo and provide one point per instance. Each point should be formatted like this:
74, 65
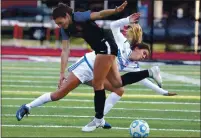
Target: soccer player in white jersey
83, 69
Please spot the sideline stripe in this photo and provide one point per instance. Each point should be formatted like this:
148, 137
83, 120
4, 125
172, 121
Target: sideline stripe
91, 94
125, 109
117, 117
129, 102
117, 128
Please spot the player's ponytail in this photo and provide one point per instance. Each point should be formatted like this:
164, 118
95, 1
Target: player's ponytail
134, 32
61, 10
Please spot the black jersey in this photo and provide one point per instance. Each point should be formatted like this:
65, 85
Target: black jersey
100, 40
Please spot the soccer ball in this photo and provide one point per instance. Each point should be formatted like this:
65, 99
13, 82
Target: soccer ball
139, 129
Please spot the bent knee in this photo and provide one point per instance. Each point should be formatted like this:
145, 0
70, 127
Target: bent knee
119, 91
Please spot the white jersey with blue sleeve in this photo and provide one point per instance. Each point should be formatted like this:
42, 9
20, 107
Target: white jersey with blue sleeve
131, 66
83, 68
123, 44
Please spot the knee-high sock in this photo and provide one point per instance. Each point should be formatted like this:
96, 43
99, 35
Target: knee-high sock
111, 100
153, 86
39, 101
133, 77
99, 103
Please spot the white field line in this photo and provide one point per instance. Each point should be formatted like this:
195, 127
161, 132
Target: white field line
162, 67
166, 76
30, 72
128, 102
125, 109
90, 88
30, 68
56, 78
116, 128
117, 117
34, 77
180, 78
56, 73
53, 82
84, 94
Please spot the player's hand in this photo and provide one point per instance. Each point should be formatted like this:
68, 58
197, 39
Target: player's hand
170, 94
61, 79
133, 18
121, 7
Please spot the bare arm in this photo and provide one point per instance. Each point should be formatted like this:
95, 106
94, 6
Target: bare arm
64, 59
108, 12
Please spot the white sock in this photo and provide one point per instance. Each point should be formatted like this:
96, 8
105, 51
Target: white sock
153, 86
40, 100
111, 100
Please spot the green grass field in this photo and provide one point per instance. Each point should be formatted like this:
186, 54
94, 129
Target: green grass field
177, 116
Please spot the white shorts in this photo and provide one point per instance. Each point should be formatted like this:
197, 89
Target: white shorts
82, 70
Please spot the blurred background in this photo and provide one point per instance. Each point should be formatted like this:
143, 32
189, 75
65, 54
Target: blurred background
170, 27
31, 48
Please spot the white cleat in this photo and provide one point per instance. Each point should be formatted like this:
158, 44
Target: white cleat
95, 123
156, 75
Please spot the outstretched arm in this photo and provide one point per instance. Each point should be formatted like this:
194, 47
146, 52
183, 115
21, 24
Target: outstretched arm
64, 60
153, 86
115, 26
108, 12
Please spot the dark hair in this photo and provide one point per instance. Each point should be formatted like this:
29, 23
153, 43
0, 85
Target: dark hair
141, 46
61, 10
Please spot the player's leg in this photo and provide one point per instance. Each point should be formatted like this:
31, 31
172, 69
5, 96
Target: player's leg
67, 86
132, 77
101, 68
153, 86
77, 73
113, 97
106, 54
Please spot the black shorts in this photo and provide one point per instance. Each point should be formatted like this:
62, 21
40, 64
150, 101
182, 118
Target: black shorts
107, 46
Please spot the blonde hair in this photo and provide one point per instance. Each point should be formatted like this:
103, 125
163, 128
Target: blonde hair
134, 33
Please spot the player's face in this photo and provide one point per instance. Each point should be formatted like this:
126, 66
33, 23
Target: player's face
63, 22
139, 54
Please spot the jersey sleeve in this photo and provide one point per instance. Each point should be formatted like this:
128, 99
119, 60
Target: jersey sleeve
82, 16
64, 36
115, 26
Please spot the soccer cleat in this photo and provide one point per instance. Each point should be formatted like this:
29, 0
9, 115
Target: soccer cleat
21, 112
95, 123
156, 75
107, 126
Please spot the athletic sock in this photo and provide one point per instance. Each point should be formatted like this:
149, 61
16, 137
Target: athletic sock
133, 77
111, 100
99, 102
39, 101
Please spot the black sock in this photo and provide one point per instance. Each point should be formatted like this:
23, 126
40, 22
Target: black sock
133, 77
99, 102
